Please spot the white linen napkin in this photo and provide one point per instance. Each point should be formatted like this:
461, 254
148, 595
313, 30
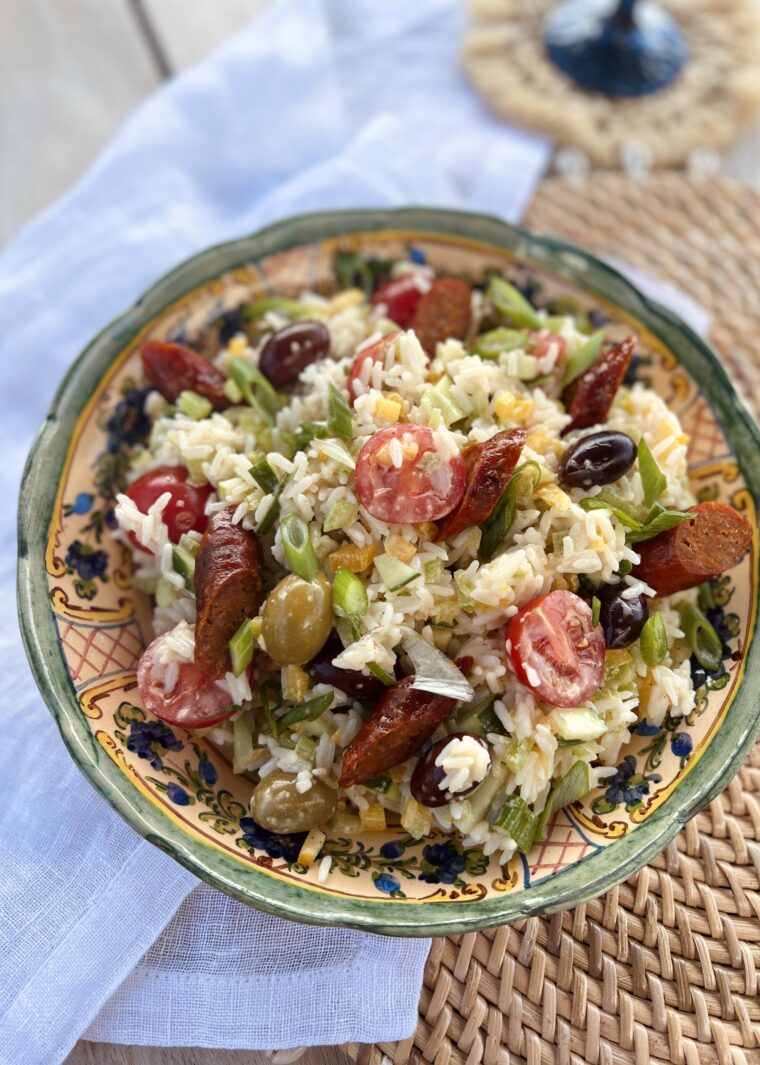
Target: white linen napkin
318, 104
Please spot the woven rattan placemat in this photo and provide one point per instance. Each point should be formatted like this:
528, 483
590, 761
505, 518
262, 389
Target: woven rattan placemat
663, 968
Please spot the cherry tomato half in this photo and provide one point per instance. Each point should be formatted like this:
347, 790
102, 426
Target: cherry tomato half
425, 486
185, 511
195, 701
400, 296
556, 650
374, 353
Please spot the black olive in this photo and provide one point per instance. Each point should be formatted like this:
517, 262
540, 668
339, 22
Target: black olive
621, 619
600, 458
426, 779
291, 349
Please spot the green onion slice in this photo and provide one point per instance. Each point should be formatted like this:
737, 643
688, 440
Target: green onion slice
258, 308
255, 388
616, 509
382, 674
652, 478
518, 821
271, 700
349, 598
582, 358
496, 526
511, 303
490, 345
299, 550
271, 516
264, 476
701, 637
241, 648
653, 641
658, 520
308, 711
339, 415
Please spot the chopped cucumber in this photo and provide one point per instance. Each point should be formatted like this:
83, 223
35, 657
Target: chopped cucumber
194, 406
184, 564
439, 398
581, 725
395, 574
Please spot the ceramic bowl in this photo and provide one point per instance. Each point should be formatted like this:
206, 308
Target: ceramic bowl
85, 625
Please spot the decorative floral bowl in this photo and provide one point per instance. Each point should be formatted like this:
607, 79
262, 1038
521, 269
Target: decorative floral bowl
84, 625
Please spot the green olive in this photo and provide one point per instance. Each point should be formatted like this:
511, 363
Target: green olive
297, 619
279, 807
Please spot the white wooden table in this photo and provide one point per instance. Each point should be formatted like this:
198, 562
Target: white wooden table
70, 72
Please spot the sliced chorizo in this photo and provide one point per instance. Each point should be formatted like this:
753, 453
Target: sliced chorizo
714, 539
400, 722
444, 311
173, 368
589, 398
228, 589
489, 470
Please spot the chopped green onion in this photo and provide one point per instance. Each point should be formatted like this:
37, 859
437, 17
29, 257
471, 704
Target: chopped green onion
264, 476
270, 690
352, 271
258, 308
624, 568
232, 392
194, 406
519, 822
273, 513
706, 599
183, 562
582, 358
658, 520
308, 711
382, 674
701, 637
511, 303
569, 789
256, 390
596, 609
349, 598
339, 415
652, 478
241, 648
303, 436
496, 526
616, 509
490, 345
299, 550
653, 641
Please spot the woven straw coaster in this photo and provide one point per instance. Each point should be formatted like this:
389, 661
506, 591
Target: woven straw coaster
664, 968
713, 98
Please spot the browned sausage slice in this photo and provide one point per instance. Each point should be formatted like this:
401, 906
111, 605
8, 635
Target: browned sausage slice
489, 470
173, 368
589, 398
400, 722
444, 311
227, 590
714, 539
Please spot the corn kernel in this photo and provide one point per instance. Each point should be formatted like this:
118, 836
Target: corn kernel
551, 495
398, 546
295, 683
511, 407
238, 345
311, 847
373, 818
566, 582
387, 409
357, 559
352, 297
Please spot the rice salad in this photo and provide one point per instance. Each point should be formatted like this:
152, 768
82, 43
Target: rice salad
441, 612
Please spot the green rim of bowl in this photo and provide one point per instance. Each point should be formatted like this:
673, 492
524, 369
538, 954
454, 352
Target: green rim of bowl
574, 885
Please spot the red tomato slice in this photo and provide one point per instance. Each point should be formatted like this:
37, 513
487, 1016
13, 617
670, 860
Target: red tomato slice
196, 701
400, 296
555, 650
374, 353
426, 485
185, 511
543, 341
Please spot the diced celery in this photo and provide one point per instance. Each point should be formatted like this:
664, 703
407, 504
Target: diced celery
340, 515
464, 590
394, 573
232, 392
243, 750
526, 366
517, 755
579, 724
241, 648
572, 786
480, 800
194, 406
518, 821
439, 398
